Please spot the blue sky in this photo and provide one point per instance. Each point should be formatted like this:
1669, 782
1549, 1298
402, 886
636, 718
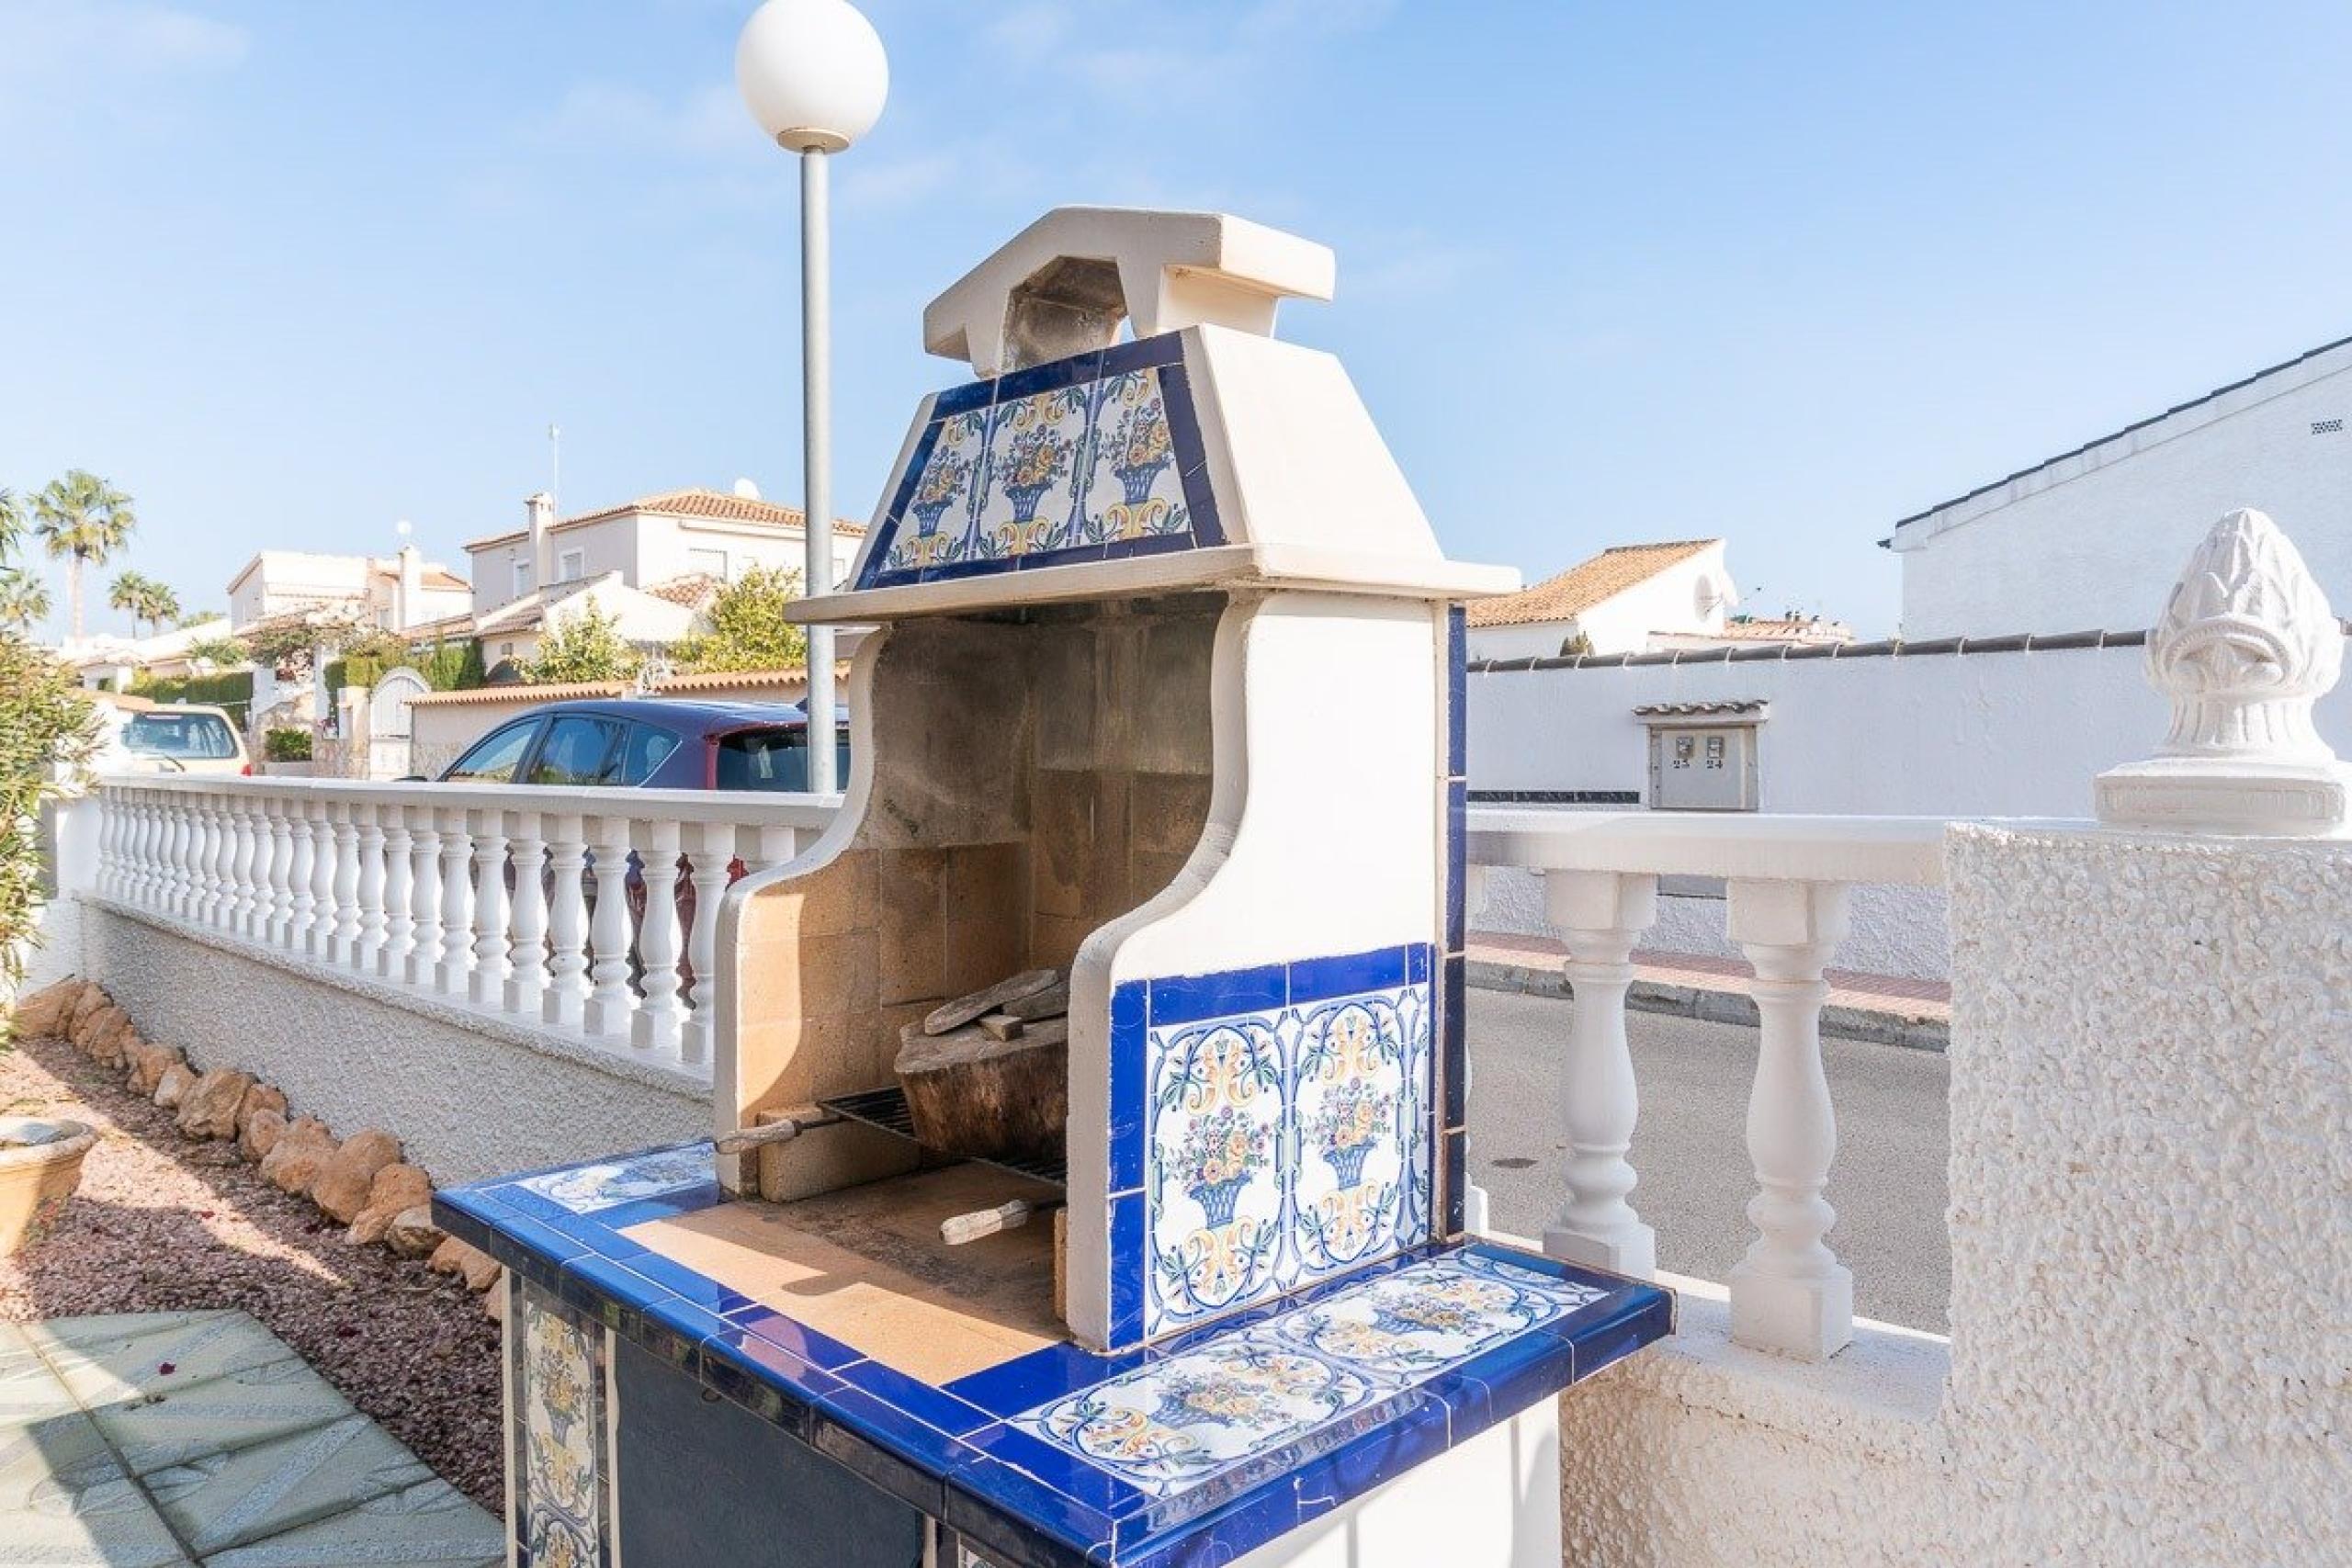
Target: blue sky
288, 272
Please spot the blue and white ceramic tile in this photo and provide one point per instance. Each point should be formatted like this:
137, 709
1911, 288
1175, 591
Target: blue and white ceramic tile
1178, 1422
586, 1189
1133, 489
1036, 448
1413, 1323
1173, 1424
1285, 1145
1084, 464
937, 528
1214, 1167
558, 1379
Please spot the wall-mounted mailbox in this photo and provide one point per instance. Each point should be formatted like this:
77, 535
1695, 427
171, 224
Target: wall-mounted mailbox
1703, 755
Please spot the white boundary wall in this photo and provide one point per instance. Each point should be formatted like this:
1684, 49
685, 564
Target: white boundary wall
2017, 733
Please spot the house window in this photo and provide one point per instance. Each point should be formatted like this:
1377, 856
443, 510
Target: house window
711, 563
570, 565
522, 577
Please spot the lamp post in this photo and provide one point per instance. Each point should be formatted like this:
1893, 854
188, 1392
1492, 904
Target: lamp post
813, 74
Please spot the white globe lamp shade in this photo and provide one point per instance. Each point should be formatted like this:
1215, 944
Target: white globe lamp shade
812, 73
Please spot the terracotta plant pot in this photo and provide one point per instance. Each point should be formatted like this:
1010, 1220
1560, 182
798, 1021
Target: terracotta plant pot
37, 1177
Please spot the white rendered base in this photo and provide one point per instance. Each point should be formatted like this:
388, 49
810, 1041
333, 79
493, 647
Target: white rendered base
1492, 1503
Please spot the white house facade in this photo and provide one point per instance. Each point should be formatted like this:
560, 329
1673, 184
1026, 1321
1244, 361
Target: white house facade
2092, 539
394, 592
1621, 601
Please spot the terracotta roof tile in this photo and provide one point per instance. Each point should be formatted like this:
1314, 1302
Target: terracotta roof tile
1583, 585
695, 589
690, 502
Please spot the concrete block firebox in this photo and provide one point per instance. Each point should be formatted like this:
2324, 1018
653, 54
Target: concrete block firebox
1165, 694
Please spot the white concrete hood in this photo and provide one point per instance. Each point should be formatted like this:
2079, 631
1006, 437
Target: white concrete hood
1272, 472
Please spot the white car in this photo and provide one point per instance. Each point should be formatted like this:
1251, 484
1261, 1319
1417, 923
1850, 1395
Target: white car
179, 739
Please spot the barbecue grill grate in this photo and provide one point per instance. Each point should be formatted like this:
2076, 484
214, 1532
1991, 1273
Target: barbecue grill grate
886, 1108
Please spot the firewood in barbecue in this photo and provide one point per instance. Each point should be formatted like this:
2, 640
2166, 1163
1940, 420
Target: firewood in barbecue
1000, 1026
986, 1098
1051, 1002
964, 1010
959, 1230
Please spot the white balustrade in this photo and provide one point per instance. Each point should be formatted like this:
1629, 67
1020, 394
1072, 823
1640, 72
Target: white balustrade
1788, 879
545, 905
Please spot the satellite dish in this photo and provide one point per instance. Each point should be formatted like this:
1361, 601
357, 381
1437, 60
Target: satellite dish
746, 490
403, 528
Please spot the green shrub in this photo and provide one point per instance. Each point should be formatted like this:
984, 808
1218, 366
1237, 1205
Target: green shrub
748, 630
47, 733
585, 647
287, 746
452, 666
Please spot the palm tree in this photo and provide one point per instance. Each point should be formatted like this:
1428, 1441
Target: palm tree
129, 591
84, 519
162, 604
12, 523
24, 600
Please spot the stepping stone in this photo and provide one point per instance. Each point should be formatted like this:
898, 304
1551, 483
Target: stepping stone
259, 1405
428, 1526
236, 1499
122, 1355
64, 1502
29, 1388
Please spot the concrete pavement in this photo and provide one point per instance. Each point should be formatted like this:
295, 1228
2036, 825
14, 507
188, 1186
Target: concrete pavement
1690, 1148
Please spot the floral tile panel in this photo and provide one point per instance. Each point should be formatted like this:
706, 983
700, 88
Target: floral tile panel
1284, 1144
583, 1190
1086, 457
556, 1378
1198, 1413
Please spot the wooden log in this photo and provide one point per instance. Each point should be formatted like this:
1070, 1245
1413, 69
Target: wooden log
964, 1010
1051, 1002
986, 1098
1000, 1026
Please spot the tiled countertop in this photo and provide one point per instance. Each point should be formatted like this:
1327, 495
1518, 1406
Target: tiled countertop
1223, 1438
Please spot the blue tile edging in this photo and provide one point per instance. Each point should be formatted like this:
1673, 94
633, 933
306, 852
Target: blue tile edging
976, 1452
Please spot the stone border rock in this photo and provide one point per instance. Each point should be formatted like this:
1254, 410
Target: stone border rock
360, 1182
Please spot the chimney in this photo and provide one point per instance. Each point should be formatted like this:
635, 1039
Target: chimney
542, 510
406, 606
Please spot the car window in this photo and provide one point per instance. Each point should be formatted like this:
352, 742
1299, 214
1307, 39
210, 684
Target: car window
494, 757
645, 749
764, 759
577, 751
197, 735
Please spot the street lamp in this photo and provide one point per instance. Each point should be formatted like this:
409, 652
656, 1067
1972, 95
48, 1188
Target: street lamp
813, 74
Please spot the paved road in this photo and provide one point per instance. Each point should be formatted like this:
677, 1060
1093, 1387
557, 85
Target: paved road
1691, 1152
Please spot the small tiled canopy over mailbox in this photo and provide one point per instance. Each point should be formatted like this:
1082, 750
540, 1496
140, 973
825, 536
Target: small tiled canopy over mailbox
1165, 693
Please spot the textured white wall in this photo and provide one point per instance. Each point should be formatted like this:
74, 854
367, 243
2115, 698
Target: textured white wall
2094, 542
467, 1100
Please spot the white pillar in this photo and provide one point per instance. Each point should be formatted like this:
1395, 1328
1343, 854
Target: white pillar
659, 1019
610, 1001
710, 851
399, 883
526, 983
319, 940
368, 951
1789, 1293
345, 944
1601, 915
486, 984
457, 904
244, 844
423, 960
565, 1001
281, 872
300, 902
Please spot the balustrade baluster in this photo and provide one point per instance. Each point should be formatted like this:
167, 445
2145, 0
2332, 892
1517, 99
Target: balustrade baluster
186, 842
301, 901
281, 870
456, 903
527, 980
565, 1004
1601, 915
210, 841
400, 882
610, 1001
319, 940
710, 851
368, 951
423, 960
659, 1019
1789, 1293
109, 851
244, 862
344, 944
487, 983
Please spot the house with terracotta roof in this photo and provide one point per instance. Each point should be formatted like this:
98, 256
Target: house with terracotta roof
1618, 602
396, 592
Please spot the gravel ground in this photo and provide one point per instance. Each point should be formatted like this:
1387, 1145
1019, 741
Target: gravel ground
163, 1223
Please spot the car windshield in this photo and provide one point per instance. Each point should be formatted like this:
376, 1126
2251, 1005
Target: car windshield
198, 735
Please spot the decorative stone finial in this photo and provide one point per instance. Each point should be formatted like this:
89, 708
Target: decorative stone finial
2244, 647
